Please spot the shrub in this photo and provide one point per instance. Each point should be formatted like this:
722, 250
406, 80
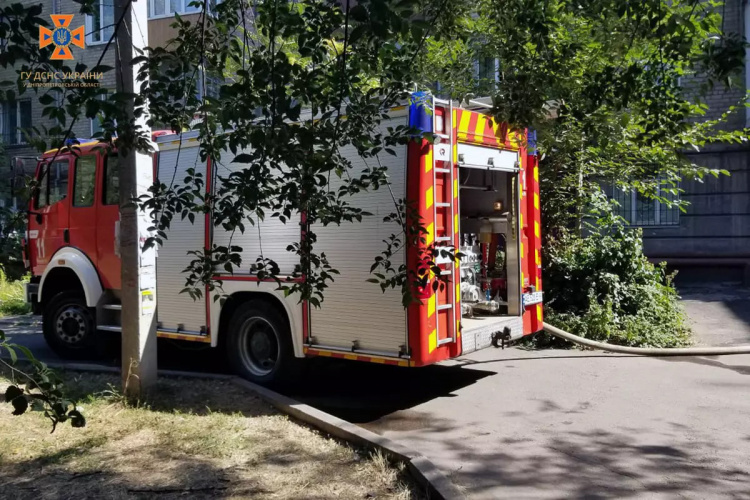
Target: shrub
603, 288
12, 297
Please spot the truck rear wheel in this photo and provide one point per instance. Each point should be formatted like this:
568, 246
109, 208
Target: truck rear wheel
259, 346
69, 326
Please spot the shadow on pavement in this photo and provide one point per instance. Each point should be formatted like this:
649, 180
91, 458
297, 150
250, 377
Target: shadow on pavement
361, 393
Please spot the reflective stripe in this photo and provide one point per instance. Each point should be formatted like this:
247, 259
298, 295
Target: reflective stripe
309, 351
180, 336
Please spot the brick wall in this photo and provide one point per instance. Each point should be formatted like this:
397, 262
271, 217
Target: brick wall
719, 99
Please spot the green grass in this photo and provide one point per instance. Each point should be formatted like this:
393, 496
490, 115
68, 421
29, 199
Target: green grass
12, 297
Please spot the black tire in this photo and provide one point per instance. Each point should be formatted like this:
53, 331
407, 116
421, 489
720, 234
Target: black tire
259, 346
69, 326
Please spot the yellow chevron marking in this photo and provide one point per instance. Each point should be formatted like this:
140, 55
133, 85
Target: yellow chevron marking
429, 195
480, 126
431, 306
536, 174
352, 357
537, 231
463, 126
455, 223
536, 201
539, 312
432, 342
455, 188
538, 258
428, 160
496, 131
430, 234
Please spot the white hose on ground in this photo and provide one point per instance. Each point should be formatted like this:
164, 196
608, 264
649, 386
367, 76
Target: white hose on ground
646, 351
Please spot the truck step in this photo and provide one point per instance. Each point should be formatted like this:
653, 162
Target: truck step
445, 341
444, 307
109, 328
112, 307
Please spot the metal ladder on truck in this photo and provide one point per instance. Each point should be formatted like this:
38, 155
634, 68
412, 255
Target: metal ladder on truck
443, 170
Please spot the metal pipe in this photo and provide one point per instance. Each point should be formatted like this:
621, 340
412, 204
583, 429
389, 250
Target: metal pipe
646, 351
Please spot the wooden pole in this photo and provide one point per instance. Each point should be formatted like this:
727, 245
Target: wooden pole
136, 175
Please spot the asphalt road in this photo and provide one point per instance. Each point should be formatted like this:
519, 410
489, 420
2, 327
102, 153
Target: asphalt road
552, 424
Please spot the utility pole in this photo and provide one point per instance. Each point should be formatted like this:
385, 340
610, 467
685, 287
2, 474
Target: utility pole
136, 175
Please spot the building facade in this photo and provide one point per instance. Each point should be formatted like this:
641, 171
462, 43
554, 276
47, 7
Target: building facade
711, 239
17, 118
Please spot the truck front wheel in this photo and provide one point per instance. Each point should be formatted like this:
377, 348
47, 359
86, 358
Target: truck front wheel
69, 326
259, 346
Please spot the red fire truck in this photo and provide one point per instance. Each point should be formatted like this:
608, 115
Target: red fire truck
476, 188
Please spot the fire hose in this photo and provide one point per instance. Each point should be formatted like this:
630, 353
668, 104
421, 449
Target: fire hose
646, 351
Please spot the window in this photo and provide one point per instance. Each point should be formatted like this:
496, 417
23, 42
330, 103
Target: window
639, 210
101, 25
84, 181
168, 8
53, 184
15, 117
487, 69
212, 86
111, 181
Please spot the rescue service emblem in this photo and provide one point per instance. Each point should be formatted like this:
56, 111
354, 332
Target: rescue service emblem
62, 37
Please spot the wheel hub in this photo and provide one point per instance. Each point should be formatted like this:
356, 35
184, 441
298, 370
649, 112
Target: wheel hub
70, 326
259, 348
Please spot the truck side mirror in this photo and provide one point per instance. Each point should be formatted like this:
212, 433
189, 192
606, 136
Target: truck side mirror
38, 218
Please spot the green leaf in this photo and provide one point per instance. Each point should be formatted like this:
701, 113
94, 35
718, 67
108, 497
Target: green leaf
77, 419
12, 392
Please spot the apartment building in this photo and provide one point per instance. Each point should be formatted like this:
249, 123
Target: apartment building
17, 118
711, 240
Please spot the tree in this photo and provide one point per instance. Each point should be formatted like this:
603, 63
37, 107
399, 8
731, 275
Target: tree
600, 81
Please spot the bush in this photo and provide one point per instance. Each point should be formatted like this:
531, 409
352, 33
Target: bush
12, 226
12, 297
603, 288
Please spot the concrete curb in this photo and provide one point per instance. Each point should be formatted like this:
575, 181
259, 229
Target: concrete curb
422, 469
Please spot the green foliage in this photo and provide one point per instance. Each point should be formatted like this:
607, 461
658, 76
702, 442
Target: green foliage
12, 227
41, 390
12, 296
602, 287
601, 82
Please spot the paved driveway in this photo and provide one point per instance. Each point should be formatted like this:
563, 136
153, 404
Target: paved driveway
561, 424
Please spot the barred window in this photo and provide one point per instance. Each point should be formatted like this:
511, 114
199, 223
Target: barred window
639, 210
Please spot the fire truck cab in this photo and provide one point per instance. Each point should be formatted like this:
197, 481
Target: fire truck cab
476, 189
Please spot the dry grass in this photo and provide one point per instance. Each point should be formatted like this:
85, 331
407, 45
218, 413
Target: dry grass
194, 439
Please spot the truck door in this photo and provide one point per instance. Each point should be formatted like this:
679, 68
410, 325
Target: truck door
107, 222
82, 225
48, 222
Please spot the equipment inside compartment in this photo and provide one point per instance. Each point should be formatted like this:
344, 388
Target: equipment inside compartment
489, 266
